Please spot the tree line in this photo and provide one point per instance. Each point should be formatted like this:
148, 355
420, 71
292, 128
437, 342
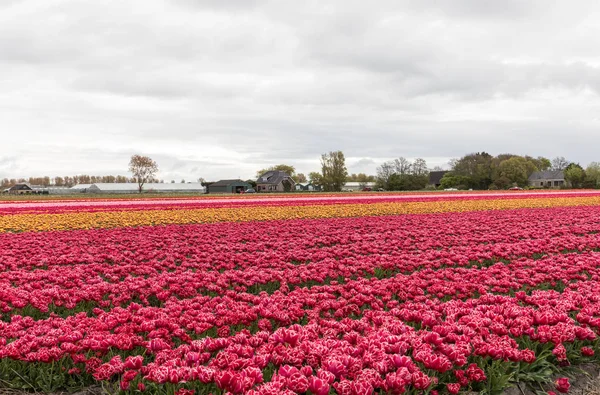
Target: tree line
481, 170
478, 170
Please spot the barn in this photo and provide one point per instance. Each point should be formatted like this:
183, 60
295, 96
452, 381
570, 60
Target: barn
229, 186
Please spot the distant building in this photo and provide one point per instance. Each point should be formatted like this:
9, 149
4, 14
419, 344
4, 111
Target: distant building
54, 190
435, 177
124, 188
275, 181
80, 188
357, 186
310, 187
26, 188
229, 186
547, 179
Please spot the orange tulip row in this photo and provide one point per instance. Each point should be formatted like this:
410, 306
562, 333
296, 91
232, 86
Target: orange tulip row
125, 218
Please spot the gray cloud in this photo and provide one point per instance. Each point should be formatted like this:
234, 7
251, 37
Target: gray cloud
219, 89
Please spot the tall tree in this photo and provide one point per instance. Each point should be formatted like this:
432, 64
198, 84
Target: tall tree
384, 173
592, 175
476, 169
402, 175
540, 162
402, 166
143, 169
559, 163
515, 169
334, 171
575, 175
419, 167
290, 170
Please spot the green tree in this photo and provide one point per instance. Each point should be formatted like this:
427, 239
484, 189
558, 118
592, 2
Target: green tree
516, 169
574, 175
290, 170
501, 183
334, 171
592, 175
540, 162
476, 169
402, 175
453, 181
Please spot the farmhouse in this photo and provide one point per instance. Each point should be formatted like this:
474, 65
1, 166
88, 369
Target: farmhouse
547, 179
25, 188
133, 188
275, 181
229, 186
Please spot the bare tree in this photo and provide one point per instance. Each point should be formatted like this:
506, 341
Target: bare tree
143, 169
419, 167
560, 163
301, 178
402, 166
384, 172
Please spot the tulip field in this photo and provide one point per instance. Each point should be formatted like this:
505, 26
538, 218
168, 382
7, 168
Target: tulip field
300, 294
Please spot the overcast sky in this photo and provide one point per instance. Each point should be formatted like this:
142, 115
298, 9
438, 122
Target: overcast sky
218, 89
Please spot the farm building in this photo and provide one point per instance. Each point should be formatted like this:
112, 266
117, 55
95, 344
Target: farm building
547, 179
229, 186
26, 188
435, 177
80, 188
357, 186
275, 181
133, 188
54, 190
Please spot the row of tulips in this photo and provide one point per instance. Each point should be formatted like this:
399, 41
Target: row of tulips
415, 303
252, 213
55, 207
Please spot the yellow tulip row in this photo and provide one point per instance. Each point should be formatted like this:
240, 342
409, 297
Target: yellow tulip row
113, 219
